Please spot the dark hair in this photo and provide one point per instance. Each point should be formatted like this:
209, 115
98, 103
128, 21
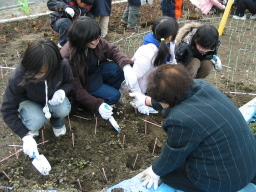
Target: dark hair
169, 84
82, 31
206, 36
38, 54
163, 27
87, 2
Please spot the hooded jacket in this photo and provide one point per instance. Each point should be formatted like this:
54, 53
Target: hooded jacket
144, 59
104, 51
16, 93
185, 49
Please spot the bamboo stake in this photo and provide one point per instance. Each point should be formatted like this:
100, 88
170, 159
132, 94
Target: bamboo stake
96, 124
6, 175
104, 174
69, 123
154, 147
73, 139
79, 184
135, 161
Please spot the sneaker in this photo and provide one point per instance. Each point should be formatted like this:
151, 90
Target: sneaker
34, 133
122, 25
238, 17
131, 29
59, 45
59, 131
253, 16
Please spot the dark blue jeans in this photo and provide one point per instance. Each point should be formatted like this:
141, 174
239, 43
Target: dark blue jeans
112, 76
61, 26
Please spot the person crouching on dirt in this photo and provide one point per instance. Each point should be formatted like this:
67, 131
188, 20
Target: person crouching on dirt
36, 91
99, 68
158, 48
64, 12
209, 146
196, 48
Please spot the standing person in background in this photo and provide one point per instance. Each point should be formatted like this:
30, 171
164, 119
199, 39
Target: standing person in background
242, 5
64, 12
172, 8
205, 6
158, 49
101, 9
131, 14
37, 91
209, 146
196, 48
98, 66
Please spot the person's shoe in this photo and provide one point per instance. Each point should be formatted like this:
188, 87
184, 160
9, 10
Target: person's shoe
122, 25
238, 17
59, 131
253, 16
34, 133
131, 29
59, 45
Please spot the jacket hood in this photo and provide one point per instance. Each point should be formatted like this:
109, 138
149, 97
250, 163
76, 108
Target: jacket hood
149, 38
184, 30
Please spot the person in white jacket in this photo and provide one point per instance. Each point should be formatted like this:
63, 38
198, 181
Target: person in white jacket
157, 49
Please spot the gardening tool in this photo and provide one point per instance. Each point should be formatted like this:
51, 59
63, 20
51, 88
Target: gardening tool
113, 121
41, 164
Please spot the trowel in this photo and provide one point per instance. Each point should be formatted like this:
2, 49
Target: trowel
41, 164
113, 121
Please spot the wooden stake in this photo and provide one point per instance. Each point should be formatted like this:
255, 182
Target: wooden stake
73, 139
123, 140
154, 146
145, 127
96, 124
69, 123
43, 136
6, 175
135, 161
79, 184
104, 174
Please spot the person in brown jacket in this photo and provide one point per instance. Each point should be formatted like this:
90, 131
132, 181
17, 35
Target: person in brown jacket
96, 66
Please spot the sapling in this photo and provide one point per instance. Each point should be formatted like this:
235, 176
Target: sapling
15, 151
6, 175
145, 127
78, 181
43, 136
154, 146
104, 174
123, 140
150, 122
73, 139
96, 124
69, 123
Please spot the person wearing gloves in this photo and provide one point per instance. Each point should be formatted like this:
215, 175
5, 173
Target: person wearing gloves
36, 91
205, 6
64, 12
158, 48
196, 48
209, 146
98, 66
241, 6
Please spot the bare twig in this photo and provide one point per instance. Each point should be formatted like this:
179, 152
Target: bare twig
73, 139
78, 181
6, 175
145, 127
154, 147
150, 122
123, 140
15, 151
81, 117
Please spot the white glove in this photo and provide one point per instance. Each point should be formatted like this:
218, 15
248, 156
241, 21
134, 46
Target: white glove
130, 76
30, 146
150, 178
144, 109
58, 97
217, 63
139, 99
70, 11
105, 111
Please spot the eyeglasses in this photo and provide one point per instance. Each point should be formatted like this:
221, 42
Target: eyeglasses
199, 48
98, 39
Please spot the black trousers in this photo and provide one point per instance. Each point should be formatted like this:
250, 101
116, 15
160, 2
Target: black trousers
243, 5
178, 180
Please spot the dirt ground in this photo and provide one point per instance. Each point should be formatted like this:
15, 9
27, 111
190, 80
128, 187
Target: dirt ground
97, 146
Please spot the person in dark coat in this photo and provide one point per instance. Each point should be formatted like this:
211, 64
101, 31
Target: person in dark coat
37, 91
102, 10
172, 8
209, 146
99, 68
241, 6
64, 12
